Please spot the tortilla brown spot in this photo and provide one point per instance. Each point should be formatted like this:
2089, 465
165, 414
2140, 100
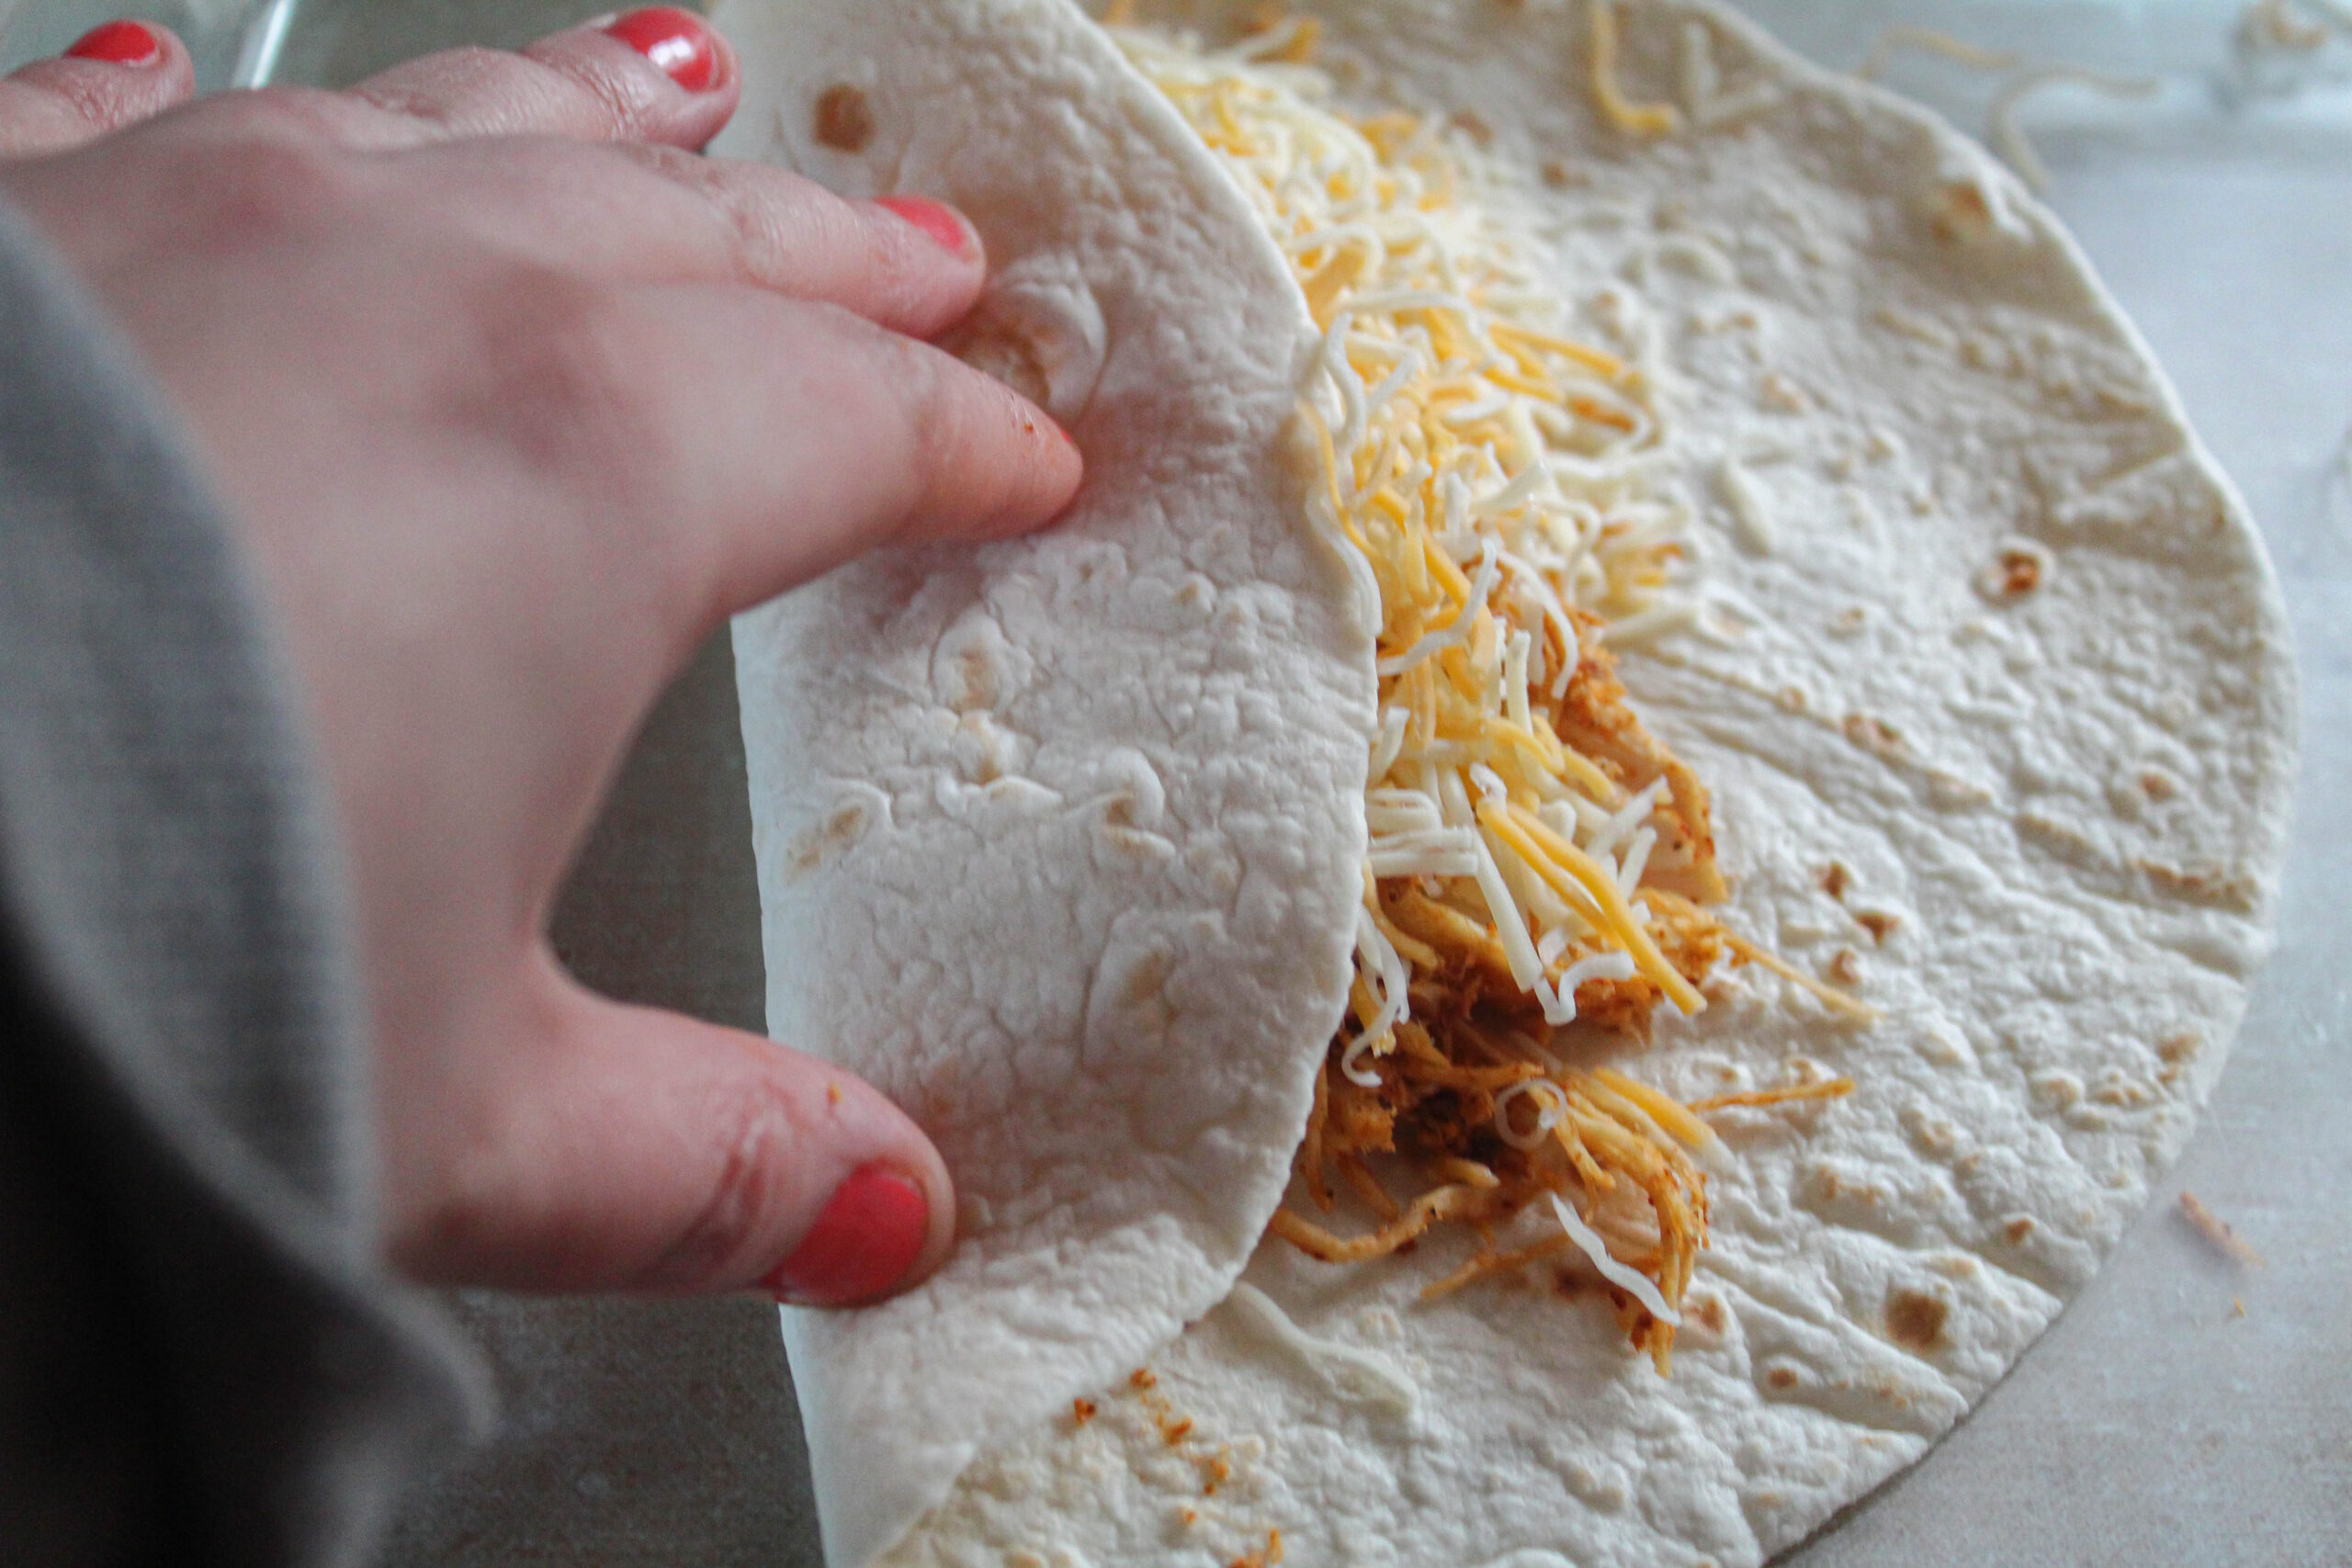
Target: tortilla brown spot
1965, 214
1781, 1377
2021, 574
844, 118
1473, 126
1915, 1321
1874, 736
820, 842
2210, 884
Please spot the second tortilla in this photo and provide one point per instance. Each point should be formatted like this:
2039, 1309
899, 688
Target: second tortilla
1998, 724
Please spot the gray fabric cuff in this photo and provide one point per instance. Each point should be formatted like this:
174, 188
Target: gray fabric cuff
172, 919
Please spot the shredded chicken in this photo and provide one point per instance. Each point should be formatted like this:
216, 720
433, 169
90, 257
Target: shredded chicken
1542, 862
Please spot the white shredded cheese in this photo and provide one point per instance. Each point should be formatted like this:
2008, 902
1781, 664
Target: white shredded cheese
1622, 823
1616, 964
1632, 1281
1365, 1376
1549, 1111
1457, 630
1751, 522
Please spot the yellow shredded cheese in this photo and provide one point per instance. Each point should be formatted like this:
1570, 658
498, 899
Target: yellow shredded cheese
1478, 463
1634, 119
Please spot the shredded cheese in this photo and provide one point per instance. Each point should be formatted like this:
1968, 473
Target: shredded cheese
1533, 853
1360, 1374
1828, 1088
1933, 41
2009, 138
1640, 1286
1634, 119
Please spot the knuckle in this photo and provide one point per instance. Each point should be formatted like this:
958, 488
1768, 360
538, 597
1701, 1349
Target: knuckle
96, 101
756, 1139
463, 1210
36, 119
55, 105
560, 385
554, 374
765, 242
925, 419
283, 116
276, 173
426, 90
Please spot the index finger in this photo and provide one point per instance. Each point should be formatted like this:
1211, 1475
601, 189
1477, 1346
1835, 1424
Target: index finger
772, 439
659, 74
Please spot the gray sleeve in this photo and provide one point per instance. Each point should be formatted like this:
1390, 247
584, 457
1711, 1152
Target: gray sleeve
201, 1360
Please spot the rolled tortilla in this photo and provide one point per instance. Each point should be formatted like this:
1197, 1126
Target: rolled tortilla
2002, 737
1058, 838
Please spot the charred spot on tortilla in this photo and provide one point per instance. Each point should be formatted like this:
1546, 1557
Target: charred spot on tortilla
2019, 568
843, 119
824, 841
1915, 1321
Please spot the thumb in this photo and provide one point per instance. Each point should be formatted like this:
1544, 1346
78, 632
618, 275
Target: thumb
627, 1148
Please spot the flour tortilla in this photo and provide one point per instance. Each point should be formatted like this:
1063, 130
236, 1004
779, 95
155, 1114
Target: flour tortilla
1060, 840
1886, 376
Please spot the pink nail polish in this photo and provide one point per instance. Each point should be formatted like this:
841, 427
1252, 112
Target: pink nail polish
864, 1240
676, 40
935, 218
118, 43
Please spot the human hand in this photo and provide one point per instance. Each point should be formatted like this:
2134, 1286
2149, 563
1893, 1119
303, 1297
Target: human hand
515, 401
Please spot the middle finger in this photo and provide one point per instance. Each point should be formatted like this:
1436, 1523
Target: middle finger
641, 214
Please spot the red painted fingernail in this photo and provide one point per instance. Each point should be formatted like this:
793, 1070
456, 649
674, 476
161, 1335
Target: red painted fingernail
676, 40
119, 44
935, 219
862, 1243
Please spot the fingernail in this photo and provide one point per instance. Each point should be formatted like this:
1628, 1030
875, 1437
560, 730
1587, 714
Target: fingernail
119, 44
862, 1243
676, 40
940, 222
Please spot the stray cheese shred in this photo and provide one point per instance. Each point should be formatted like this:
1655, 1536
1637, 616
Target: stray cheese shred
1537, 858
